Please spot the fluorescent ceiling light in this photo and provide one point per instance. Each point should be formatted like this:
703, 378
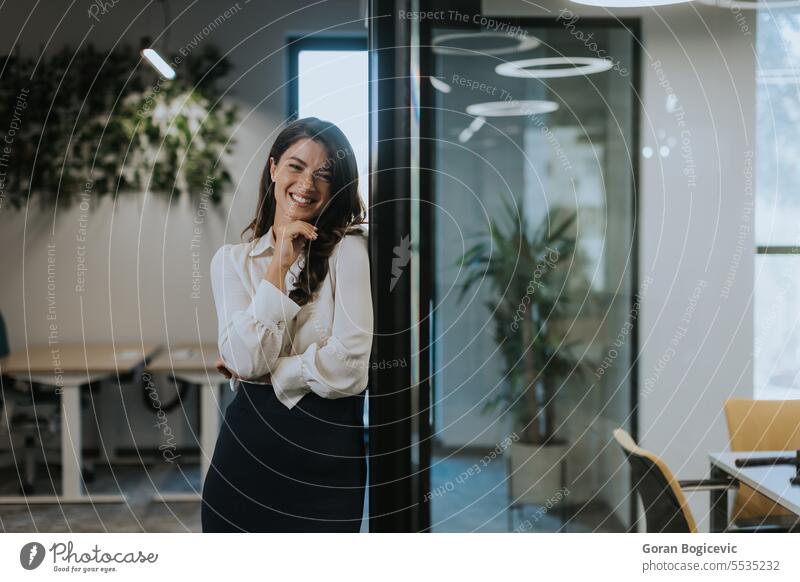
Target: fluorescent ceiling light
511, 108
629, 3
468, 132
523, 43
158, 63
477, 123
573, 67
440, 85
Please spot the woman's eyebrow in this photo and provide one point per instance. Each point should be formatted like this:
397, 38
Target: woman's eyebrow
322, 169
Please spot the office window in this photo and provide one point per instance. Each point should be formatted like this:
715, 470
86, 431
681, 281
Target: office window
776, 349
329, 79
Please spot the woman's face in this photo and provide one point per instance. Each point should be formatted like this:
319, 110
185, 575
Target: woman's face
302, 180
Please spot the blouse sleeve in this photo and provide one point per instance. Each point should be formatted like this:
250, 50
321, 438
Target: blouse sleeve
250, 328
340, 366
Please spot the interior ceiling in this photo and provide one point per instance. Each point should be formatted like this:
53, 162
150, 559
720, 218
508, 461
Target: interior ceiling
586, 105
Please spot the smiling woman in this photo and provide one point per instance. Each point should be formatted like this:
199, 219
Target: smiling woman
295, 334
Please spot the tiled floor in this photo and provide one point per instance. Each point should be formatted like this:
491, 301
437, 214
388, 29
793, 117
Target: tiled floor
139, 514
475, 504
479, 503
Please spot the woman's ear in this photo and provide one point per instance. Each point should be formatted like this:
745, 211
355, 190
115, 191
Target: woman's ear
272, 168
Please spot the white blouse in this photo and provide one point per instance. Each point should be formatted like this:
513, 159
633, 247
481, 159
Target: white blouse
321, 347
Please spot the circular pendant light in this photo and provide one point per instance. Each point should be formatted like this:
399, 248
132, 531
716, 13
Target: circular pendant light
523, 43
752, 4
511, 108
628, 3
535, 68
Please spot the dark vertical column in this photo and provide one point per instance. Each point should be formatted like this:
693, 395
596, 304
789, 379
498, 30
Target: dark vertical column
427, 282
635, 28
390, 490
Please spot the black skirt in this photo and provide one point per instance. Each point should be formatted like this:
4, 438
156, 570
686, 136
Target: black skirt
281, 470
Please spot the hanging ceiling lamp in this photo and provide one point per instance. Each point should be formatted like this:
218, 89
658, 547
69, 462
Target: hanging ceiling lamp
440, 85
152, 56
628, 3
542, 68
158, 63
511, 108
520, 43
752, 4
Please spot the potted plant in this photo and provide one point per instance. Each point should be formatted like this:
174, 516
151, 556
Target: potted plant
526, 268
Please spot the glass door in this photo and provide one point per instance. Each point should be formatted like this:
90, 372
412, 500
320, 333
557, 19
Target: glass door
510, 232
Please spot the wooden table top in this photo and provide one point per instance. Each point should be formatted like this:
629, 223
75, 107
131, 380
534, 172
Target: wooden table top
77, 358
185, 358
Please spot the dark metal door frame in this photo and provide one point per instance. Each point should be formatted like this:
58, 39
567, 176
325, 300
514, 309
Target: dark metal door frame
391, 502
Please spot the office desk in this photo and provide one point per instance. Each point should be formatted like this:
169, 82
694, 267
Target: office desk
770, 481
194, 363
68, 367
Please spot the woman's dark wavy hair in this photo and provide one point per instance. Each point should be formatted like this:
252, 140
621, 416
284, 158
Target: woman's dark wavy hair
337, 218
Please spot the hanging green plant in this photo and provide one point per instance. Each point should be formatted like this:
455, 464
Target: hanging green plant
103, 124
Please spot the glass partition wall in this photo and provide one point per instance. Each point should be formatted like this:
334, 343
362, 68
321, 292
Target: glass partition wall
519, 282
533, 174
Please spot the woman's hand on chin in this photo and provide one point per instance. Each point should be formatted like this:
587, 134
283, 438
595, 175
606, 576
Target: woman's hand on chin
290, 239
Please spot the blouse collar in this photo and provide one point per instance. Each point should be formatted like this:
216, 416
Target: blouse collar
264, 243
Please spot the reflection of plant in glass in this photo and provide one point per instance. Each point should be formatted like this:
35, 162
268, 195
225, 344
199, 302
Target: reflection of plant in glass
100, 124
526, 269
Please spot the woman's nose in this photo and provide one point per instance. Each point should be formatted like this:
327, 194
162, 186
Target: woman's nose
307, 181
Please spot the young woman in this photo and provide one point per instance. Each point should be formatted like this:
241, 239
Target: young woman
295, 333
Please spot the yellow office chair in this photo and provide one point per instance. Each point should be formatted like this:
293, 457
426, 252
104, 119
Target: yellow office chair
665, 507
761, 425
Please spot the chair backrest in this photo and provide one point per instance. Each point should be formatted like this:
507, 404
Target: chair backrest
761, 425
665, 506
4, 350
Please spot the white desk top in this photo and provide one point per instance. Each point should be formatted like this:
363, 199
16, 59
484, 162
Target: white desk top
106, 358
198, 358
771, 481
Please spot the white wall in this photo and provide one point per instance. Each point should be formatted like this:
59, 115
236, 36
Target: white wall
688, 232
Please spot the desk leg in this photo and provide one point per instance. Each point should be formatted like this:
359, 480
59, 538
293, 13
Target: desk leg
209, 426
108, 431
71, 442
209, 429
719, 503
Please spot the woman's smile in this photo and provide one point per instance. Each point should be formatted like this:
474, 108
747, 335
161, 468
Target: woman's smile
301, 200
